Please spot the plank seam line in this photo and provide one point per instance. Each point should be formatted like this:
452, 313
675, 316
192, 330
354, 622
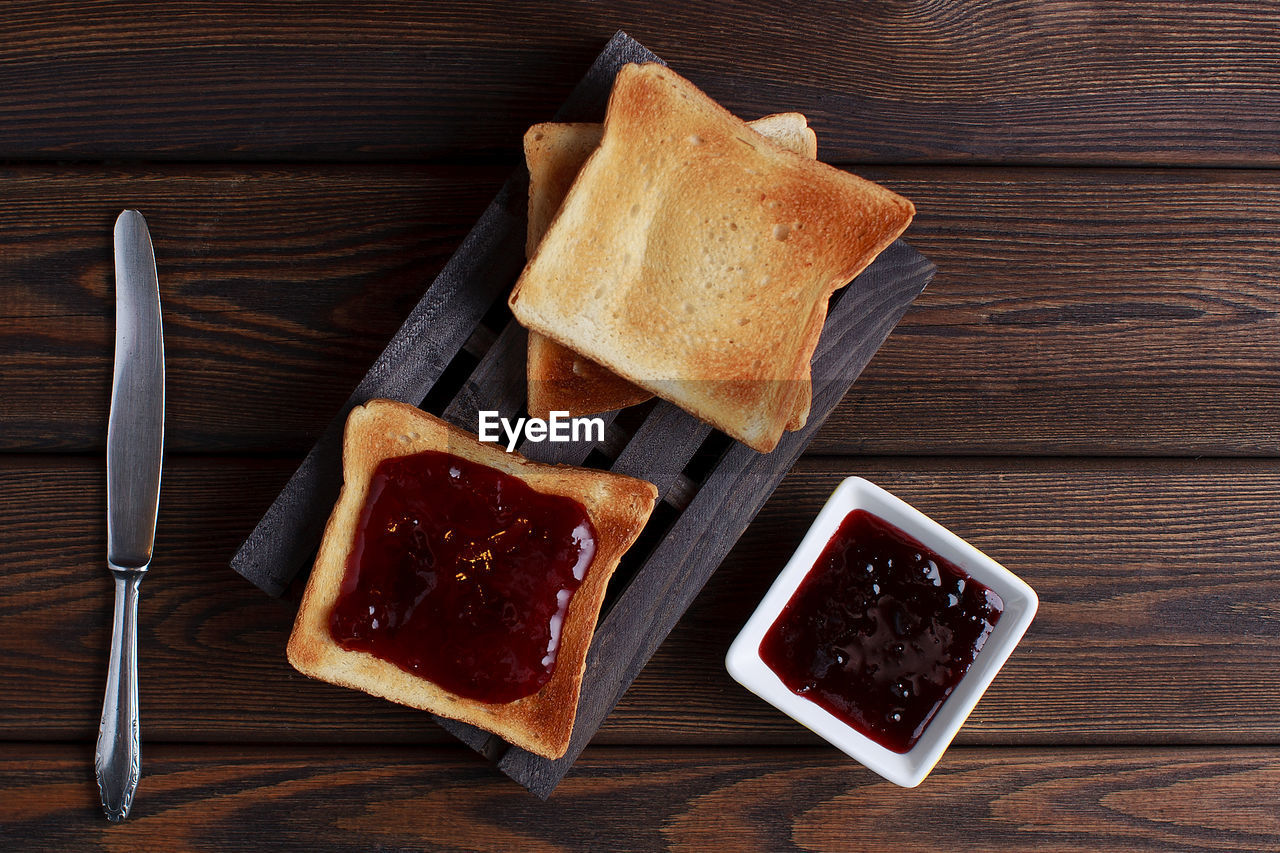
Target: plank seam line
511, 162
995, 460
463, 750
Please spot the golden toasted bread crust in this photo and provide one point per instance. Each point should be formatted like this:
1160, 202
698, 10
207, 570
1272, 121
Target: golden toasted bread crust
694, 258
618, 506
559, 378
554, 153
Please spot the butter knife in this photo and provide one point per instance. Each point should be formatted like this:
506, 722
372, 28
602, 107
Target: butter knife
135, 443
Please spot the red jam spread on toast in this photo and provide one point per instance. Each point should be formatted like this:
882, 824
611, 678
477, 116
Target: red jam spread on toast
462, 575
880, 631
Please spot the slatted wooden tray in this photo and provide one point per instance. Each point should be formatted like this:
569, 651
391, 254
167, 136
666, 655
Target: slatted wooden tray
460, 352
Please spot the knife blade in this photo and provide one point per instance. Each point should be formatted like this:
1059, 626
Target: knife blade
135, 446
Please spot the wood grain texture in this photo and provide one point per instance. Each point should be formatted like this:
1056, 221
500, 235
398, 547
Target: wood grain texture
446, 320
1159, 619
1003, 81
342, 275
223, 798
662, 446
1075, 311
1083, 313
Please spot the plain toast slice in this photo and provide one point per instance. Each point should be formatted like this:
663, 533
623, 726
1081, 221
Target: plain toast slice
695, 258
559, 378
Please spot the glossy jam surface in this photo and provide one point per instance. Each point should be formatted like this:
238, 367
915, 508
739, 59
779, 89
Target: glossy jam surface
462, 574
880, 631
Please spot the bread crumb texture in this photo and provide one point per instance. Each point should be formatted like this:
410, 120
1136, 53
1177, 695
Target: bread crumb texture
694, 257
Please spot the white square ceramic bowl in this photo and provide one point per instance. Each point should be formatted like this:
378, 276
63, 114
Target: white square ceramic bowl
907, 769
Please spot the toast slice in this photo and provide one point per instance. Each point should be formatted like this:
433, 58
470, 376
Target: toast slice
559, 378
695, 259
542, 722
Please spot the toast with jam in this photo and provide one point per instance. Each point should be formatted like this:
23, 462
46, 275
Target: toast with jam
463, 580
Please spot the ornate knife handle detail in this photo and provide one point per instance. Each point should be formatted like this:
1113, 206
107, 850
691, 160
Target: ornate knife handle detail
118, 760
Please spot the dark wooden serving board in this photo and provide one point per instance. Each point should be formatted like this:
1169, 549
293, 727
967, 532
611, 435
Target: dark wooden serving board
459, 352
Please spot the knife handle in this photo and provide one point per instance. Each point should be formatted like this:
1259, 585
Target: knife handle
118, 760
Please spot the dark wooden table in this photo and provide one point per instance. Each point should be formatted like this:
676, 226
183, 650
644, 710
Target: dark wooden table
1089, 391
